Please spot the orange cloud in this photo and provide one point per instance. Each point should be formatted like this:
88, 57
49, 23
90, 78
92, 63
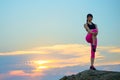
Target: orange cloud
110, 49
116, 50
61, 55
22, 73
65, 48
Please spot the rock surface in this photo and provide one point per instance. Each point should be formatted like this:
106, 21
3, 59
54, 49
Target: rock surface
94, 75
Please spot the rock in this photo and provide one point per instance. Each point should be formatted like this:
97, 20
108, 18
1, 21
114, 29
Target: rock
94, 75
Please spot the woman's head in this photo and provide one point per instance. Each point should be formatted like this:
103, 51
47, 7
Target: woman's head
89, 17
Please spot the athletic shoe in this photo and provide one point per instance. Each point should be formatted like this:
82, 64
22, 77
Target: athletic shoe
92, 68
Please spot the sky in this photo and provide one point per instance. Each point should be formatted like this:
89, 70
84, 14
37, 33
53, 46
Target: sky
40, 37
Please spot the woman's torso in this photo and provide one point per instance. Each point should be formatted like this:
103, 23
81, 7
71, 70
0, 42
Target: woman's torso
91, 26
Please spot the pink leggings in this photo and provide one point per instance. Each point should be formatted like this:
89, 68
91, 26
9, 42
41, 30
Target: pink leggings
89, 40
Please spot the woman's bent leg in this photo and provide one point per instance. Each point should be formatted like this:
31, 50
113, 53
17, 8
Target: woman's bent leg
89, 38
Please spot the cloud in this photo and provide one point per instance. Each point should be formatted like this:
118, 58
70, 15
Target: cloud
115, 50
63, 49
110, 49
16, 74
62, 56
22, 73
60, 48
58, 56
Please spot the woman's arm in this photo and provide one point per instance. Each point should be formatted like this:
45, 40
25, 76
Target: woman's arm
87, 29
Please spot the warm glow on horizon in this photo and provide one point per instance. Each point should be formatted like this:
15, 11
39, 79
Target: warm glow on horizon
61, 56
41, 61
41, 65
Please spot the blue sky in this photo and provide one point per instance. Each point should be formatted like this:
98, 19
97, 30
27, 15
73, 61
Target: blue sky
37, 34
27, 23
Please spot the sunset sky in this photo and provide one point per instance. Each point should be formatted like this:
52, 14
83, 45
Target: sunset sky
42, 39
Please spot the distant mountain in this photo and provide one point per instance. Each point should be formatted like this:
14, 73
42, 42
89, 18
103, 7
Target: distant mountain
93, 75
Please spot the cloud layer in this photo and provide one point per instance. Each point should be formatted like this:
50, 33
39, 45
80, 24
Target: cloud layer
42, 59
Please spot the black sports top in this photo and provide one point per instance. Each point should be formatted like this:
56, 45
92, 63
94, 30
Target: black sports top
91, 26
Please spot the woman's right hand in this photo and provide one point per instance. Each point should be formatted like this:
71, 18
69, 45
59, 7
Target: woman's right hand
94, 33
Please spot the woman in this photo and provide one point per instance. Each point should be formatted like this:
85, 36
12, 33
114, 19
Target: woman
91, 37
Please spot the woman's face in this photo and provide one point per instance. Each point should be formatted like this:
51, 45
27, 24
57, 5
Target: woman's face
89, 18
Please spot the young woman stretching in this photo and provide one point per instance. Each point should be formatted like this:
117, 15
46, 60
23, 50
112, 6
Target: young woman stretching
91, 37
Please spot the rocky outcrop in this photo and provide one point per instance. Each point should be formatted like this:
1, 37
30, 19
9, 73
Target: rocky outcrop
94, 75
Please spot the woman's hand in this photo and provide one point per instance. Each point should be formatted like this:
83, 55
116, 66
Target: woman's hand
94, 33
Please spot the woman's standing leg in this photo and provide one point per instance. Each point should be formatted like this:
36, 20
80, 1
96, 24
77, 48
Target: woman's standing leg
93, 53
